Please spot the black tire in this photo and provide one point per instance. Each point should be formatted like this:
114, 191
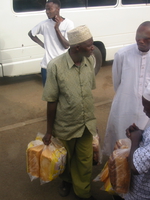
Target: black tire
98, 56
101, 47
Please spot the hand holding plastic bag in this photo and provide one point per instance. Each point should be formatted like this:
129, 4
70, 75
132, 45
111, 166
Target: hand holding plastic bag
52, 161
45, 162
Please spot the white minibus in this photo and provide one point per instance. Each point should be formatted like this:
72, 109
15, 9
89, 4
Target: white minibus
113, 24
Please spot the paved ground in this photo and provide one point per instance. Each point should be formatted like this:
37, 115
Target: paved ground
22, 116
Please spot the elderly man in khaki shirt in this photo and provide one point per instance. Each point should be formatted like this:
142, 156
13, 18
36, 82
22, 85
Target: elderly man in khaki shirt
70, 110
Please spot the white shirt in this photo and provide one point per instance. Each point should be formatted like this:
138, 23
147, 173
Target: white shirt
53, 47
140, 184
131, 74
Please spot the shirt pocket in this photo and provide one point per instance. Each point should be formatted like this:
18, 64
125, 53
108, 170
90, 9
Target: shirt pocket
65, 89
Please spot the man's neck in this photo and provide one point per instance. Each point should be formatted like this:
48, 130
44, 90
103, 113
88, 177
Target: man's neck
77, 59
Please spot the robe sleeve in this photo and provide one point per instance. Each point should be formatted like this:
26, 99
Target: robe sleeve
117, 71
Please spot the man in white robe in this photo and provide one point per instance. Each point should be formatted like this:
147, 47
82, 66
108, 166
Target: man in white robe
131, 74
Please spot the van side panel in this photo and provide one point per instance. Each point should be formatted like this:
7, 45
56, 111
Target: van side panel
18, 53
115, 26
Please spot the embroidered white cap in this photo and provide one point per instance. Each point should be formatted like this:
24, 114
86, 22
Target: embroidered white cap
79, 34
146, 93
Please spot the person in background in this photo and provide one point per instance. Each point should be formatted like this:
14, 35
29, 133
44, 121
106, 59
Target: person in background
70, 110
54, 31
139, 157
130, 73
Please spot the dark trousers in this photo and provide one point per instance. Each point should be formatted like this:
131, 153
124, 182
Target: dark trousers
44, 74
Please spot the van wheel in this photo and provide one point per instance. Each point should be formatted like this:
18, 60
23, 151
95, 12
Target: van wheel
98, 56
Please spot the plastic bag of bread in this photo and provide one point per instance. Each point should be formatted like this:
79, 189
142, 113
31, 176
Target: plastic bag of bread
119, 171
33, 153
52, 161
39, 136
97, 153
104, 177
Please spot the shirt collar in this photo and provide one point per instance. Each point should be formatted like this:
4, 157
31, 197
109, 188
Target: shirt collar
84, 62
71, 63
69, 60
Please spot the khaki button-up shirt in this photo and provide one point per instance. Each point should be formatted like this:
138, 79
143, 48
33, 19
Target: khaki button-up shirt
71, 87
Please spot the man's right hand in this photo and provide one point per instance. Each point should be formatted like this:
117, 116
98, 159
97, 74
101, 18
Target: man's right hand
47, 138
136, 136
134, 133
131, 129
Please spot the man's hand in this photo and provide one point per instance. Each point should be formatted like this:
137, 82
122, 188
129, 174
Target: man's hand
61, 38
58, 21
134, 133
47, 139
36, 39
51, 112
136, 136
131, 129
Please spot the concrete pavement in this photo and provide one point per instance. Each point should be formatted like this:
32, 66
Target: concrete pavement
23, 115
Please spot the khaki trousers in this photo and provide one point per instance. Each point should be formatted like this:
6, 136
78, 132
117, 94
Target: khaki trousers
78, 169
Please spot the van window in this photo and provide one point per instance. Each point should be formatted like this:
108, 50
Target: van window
134, 2
28, 5
36, 5
86, 3
73, 3
101, 2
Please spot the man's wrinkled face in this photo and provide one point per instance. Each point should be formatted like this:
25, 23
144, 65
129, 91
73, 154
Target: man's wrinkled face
86, 48
143, 38
51, 10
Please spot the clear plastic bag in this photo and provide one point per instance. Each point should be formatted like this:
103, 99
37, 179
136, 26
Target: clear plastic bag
52, 161
45, 162
33, 153
116, 173
97, 153
119, 170
104, 177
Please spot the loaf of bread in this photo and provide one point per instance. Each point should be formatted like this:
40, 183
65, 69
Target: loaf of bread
45, 162
104, 177
33, 154
119, 171
52, 163
104, 173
